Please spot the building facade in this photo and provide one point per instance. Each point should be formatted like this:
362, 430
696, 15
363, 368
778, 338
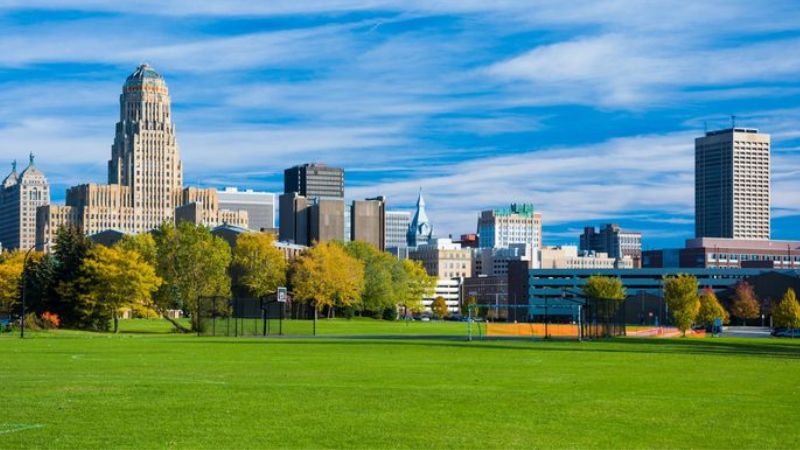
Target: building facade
727, 253
732, 184
518, 224
314, 180
495, 261
261, 207
20, 196
442, 258
614, 241
568, 257
396, 227
368, 222
145, 172
420, 230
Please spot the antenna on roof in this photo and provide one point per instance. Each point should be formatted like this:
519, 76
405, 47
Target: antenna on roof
733, 121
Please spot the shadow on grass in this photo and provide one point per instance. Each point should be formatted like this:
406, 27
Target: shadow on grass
763, 348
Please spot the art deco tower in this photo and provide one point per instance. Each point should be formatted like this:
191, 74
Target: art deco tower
145, 155
145, 175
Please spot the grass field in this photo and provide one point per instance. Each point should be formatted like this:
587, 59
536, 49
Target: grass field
142, 389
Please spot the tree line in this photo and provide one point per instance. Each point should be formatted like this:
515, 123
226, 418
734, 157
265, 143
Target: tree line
84, 285
689, 305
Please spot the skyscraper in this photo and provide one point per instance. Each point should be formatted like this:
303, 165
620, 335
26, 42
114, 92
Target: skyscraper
396, 228
145, 173
368, 221
314, 180
420, 230
260, 206
732, 184
20, 195
518, 224
614, 241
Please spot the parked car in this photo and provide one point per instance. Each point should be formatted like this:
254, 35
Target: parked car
784, 332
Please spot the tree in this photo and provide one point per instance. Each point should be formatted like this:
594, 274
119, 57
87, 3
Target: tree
11, 268
193, 263
71, 248
119, 278
680, 294
144, 244
469, 306
711, 309
379, 283
327, 275
258, 265
439, 307
608, 293
745, 305
787, 313
412, 284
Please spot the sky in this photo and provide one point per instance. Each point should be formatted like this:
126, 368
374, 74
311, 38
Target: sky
588, 110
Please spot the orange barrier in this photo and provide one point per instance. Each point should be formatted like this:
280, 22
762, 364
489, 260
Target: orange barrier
531, 329
662, 332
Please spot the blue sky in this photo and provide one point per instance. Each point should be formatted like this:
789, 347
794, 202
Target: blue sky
587, 110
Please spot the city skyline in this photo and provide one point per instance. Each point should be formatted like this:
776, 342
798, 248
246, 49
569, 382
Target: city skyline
495, 125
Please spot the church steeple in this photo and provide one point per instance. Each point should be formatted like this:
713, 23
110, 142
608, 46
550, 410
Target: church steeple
420, 231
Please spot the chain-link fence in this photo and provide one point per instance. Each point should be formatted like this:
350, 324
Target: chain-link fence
242, 317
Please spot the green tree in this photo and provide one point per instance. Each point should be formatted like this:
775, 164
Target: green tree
745, 305
787, 313
144, 244
119, 278
680, 294
328, 276
609, 294
193, 263
439, 307
412, 283
70, 250
711, 309
40, 293
257, 264
469, 304
379, 284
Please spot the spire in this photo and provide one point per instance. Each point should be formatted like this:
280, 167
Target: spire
420, 230
13, 166
31, 158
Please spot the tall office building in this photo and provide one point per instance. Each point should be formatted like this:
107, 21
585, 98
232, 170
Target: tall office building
260, 206
368, 222
314, 180
20, 195
420, 230
396, 227
732, 184
518, 224
145, 173
613, 241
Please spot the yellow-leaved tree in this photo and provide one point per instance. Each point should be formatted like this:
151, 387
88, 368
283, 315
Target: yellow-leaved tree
412, 284
680, 294
118, 277
257, 264
439, 307
11, 266
787, 313
711, 309
328, 276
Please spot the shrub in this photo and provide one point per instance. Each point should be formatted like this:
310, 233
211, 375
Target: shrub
50, 320
390, 313
32, 322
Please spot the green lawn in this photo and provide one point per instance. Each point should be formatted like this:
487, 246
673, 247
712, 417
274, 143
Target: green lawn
144, 390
